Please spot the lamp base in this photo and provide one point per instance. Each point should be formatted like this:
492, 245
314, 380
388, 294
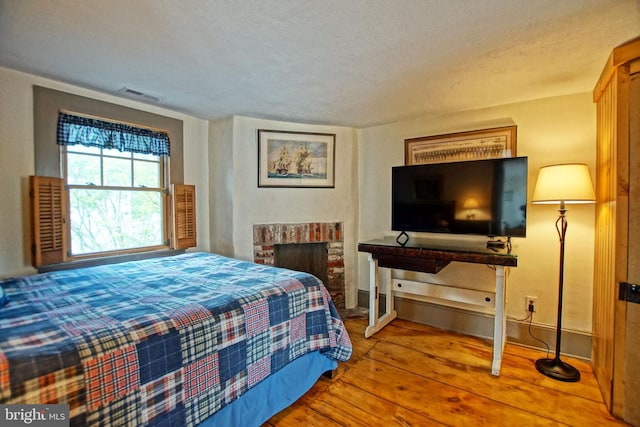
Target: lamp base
558, 370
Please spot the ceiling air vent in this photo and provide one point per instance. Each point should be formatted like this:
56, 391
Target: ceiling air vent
132, 93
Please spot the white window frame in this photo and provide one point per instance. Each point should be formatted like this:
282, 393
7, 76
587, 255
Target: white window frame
166, 208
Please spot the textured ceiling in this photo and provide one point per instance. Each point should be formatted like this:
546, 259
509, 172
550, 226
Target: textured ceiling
342, 62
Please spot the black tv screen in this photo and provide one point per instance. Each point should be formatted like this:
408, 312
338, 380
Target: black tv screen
480, 197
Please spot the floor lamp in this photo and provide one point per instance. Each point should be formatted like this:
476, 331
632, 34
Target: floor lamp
562, 184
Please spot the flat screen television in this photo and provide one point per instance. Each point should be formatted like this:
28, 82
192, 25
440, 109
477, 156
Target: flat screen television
479, 197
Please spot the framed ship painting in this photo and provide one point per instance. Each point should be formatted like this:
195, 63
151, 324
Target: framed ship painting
296, 159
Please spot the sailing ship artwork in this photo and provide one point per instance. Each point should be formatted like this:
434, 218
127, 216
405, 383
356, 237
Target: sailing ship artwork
296, 159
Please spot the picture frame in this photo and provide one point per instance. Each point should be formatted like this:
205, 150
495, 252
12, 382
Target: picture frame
296, 159
460, 146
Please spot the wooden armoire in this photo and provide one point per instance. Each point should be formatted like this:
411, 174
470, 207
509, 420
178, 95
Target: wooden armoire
616, 321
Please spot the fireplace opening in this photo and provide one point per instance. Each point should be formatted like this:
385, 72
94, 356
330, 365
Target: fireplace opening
327, 237
308, 257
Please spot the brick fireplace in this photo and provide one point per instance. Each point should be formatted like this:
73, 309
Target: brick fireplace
267, 236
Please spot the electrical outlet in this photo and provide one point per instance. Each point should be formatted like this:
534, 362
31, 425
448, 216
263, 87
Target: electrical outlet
530, 302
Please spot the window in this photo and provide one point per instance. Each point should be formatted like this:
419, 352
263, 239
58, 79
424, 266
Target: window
113, 197
116, 199
115, 178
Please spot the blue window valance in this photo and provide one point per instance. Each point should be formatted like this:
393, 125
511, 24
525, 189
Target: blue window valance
92, 132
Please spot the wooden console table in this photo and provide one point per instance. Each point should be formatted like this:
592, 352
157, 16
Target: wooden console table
431, 256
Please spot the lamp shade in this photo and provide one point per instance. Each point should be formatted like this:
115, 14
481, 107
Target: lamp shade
470, 203
568, 183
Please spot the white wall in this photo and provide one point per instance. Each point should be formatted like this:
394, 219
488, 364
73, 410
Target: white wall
553, 130
221, 186
234, 172
17, 163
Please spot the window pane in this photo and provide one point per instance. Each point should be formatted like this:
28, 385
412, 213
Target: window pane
116, 153
146, 174
108, 220
117, 172
82, 149
146, 156
83, 169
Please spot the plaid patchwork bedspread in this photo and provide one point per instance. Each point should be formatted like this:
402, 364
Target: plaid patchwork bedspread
165, 341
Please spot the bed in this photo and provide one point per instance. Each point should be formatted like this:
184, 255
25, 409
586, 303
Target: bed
192, 339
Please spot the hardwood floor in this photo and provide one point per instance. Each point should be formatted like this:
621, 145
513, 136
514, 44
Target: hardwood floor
415, 375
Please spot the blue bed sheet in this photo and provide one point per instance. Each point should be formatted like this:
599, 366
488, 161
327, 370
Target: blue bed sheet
274, 393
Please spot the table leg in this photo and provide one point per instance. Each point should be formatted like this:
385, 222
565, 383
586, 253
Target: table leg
499, 321
377, 323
